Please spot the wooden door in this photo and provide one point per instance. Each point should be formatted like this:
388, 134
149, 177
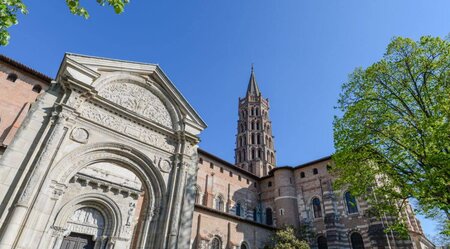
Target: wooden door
78, 241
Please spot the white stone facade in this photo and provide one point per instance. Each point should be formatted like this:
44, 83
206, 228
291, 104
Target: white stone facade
109, 151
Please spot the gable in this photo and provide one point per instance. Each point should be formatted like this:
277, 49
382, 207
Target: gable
139, 88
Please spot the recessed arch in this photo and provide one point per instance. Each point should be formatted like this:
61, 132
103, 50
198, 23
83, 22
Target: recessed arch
129, 158
105, 205
356, 240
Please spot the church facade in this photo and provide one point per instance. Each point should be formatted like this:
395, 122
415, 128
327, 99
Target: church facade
106, 156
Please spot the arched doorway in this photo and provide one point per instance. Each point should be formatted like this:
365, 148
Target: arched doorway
85, 225
125, 188
216, 243
322, 242
356, 241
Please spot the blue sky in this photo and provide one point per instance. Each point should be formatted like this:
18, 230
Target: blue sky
302, 50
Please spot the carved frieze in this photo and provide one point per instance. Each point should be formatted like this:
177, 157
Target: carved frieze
138, 100
125, 126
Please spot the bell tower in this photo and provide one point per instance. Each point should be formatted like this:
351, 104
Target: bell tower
254, 141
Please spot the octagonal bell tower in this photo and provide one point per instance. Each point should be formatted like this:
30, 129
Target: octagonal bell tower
254, 141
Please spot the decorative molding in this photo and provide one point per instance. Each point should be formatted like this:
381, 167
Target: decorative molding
165, 165
137, 99
127, 127
80, 135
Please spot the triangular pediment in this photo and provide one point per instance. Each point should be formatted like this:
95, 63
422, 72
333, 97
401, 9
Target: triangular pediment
142, 88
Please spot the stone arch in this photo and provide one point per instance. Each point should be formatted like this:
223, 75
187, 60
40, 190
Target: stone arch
120, 77
107, 207
350, 202
219, 202
244, 245
316, 207
216, 242
356, 238
131, 159
322, 242
121, 154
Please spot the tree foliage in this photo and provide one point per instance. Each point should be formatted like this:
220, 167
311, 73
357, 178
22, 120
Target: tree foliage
286, 238
9, 9
393, 140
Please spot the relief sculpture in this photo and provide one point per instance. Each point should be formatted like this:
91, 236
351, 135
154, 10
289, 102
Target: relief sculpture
139, 100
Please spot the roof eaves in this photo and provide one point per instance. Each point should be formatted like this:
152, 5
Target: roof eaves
25, 68
226, 163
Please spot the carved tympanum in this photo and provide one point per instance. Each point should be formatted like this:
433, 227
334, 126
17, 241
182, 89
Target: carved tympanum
139, 100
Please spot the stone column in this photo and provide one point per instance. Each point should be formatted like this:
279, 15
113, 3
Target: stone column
177, 202
15, 226
146, 236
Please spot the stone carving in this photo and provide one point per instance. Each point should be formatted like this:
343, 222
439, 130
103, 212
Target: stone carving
139, 100
88, 216
80, 135
165, 166
59, 231
125, 126
42, 163
87, 220
130, 213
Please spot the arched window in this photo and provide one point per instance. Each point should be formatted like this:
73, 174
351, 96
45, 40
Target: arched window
253, 138
317, 208
357, 241
269, 220
197, 195
256, 111
259, 153
322, 242
253, 153
219, 203
238, 209
37, 88
253, 125
12, 77
272, 158
257, 125
350, 200
216, 243
315, 171
302, 174
258, 140
252, 111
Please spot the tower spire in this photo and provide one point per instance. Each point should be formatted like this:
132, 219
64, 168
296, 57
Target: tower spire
254, 151
252, 88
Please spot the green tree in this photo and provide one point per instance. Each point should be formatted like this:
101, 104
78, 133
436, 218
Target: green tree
286, 238
393, 139
9, 9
